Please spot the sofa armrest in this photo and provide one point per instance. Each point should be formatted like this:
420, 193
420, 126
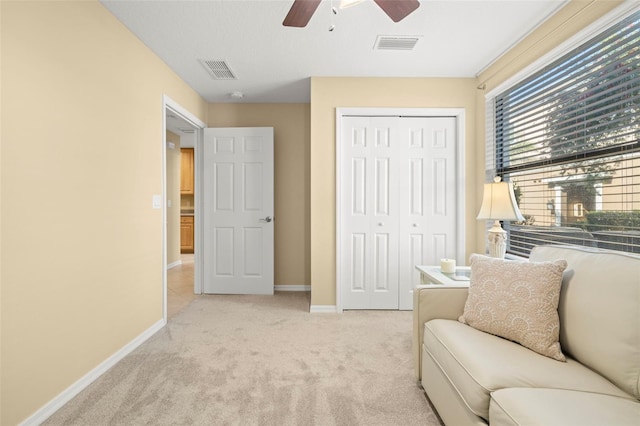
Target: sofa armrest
434, 302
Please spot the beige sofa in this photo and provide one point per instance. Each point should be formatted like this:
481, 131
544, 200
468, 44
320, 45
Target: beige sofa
476, 378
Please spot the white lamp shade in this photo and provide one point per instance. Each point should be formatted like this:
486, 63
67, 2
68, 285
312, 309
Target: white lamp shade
499, 202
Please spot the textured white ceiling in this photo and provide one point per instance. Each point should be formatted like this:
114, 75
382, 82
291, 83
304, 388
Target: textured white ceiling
273, 63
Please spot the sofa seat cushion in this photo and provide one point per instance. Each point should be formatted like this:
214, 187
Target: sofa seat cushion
549, 407
478, 363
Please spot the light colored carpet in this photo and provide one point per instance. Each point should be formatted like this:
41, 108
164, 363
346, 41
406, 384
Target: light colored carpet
262, 360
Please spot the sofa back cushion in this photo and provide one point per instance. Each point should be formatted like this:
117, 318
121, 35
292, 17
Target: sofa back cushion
599, 311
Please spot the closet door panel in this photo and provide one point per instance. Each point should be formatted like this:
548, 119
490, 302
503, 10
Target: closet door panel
427, 198
369, 238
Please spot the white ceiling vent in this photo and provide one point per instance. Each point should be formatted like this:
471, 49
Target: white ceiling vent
396, 42
218, 69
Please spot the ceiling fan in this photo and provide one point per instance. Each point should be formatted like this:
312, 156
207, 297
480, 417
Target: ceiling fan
302, 10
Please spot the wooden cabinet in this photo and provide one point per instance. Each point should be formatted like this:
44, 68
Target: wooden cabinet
186, 234
186, 171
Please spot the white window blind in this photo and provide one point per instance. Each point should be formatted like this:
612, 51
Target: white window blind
568, 137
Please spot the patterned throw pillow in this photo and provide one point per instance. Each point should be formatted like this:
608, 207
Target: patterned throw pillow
517, 301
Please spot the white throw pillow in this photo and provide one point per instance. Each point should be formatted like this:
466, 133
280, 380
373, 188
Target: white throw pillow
518, 301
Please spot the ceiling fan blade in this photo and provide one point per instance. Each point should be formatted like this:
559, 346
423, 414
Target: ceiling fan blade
398, 9
300, 13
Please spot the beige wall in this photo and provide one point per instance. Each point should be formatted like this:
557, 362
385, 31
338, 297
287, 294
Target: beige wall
327, 94
1, 191
82, 120
291, 146
173, 194
81, 158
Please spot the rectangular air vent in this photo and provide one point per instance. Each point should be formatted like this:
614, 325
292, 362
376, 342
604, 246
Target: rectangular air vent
218, 69
396, 42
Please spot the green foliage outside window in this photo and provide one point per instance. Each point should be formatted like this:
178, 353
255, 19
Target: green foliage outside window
613, 220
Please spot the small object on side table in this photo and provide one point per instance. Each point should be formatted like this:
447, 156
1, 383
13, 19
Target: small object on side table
434, 275
448, 266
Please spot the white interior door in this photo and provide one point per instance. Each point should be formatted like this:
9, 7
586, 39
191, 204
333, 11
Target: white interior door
370, 212
428, 199
238, 211
398, 205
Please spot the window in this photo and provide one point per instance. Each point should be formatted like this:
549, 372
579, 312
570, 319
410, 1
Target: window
568, 138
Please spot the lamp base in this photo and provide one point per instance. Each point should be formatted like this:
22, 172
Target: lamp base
497, 238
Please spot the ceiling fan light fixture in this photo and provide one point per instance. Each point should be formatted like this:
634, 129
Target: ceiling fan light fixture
302, 10
300, 13
348, 3
397, 10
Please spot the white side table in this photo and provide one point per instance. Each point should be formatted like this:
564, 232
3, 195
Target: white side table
433, 275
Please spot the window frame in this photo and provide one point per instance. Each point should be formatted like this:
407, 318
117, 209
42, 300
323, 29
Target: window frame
583, 36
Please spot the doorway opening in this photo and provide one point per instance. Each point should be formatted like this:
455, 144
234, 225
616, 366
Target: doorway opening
182, 130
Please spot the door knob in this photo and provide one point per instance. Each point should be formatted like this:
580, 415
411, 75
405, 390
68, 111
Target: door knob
266, 219
380, 223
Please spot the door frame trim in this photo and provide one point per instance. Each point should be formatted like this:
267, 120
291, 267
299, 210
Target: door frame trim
459, 115
169, 104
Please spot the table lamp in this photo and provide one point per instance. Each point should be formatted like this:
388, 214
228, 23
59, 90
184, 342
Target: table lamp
498, 203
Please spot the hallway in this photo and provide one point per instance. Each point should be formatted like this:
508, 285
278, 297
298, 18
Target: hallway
180, 285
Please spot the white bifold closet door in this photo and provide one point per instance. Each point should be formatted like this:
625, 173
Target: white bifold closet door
398, 206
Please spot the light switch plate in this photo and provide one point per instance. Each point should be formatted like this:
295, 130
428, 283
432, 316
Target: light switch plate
157, 201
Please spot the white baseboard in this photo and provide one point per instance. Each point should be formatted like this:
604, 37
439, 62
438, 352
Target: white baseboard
68, 394
323, 309
284, 287
174, 264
